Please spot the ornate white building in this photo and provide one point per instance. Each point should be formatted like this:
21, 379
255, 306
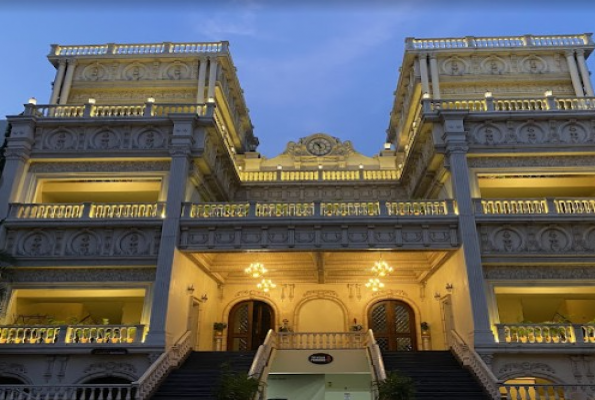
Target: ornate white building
135, 200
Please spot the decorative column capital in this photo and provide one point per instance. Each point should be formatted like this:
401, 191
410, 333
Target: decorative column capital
569, 53
580, 52
432, 56
62, 62
423, 55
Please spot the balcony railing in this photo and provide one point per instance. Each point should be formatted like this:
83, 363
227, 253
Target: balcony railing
321, 341
546, 392
83, 211
73, 334
300, 176
111, 49
491, 104
91, 110
319, 209
59, 392
546, 206
556, 333
491, 42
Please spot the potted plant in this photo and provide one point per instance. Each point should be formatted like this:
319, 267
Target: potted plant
236, 386
219, 327
395, 387
285, 327
356, 327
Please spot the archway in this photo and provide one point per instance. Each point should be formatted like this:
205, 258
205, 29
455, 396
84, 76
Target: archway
249, 322
393, 323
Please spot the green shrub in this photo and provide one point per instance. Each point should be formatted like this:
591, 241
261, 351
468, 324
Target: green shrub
236, 386
396, 387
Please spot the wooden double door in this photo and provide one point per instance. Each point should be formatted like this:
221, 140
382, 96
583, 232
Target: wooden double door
393, 323
249, 323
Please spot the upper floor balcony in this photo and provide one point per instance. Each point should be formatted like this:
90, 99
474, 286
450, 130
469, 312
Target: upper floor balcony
424, 224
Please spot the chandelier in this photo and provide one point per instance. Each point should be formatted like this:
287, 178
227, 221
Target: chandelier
381, 268
256, 270
265, 285
374, 284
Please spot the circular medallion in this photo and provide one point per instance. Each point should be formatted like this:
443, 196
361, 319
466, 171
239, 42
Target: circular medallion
319, 146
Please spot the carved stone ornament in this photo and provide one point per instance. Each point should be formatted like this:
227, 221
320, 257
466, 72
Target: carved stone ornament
252, 293
135, 72
319, 144
538, 161
532, 272
538, 238
493, 65
111, 166
84, 275
455, 66
90, 242
94, 72
526, 369
13, 368
111, 368
534, 65
532, 133
320, 294
390, 293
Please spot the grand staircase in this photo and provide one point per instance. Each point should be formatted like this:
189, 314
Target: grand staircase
199, 374
436, 374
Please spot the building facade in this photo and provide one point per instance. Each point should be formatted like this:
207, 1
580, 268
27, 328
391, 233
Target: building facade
139, 213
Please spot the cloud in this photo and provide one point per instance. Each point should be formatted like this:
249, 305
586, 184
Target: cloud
237, 18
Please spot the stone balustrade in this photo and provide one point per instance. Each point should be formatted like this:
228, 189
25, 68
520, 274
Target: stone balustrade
551, 333
335, 175
547, 206
499, 42
91, 110
546, 392
111, 49
60, 392
87, 211
319, 209
321, 340
491, 104
73, 334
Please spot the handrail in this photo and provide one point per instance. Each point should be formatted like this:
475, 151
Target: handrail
491, 42
471, 359
543, 206
258, 369
147, 383
376, 360
87, 210
548, 391
77, 391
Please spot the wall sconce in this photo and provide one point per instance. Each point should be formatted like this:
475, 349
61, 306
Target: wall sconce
319, 166
488, 94
548, 93
32, 101
449, 287
361, 166
211, 100
204, 297
437, 296
279, 167
91, 100
387, 146
425, 96
151, 99
190, 289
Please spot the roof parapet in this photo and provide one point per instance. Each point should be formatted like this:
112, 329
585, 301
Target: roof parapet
148, 49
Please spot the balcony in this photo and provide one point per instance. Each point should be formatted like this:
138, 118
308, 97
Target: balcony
71, 335
117, 231
104, 111
491, 104
473, 42
546, 206
577, 335
309, 225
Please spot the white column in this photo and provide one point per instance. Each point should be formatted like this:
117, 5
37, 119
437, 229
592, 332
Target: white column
434, 74
183, 127
423, 72
456, 152
212, 79
202, 76
576, 80
582, 66
67, 81
58, 81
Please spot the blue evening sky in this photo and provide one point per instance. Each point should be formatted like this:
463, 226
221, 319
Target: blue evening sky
328, 66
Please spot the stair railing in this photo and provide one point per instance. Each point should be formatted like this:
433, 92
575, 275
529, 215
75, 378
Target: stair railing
259, 368
473, 361
153, 376
375, 357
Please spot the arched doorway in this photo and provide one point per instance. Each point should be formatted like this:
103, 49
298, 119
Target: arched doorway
249, 322
393, 323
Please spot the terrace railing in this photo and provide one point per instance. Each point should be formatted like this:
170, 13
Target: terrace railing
81, 211
319, 209
499, 42
320, 340
70, 334
547, 334
491, 104
92, 110
544, 206
111, 49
